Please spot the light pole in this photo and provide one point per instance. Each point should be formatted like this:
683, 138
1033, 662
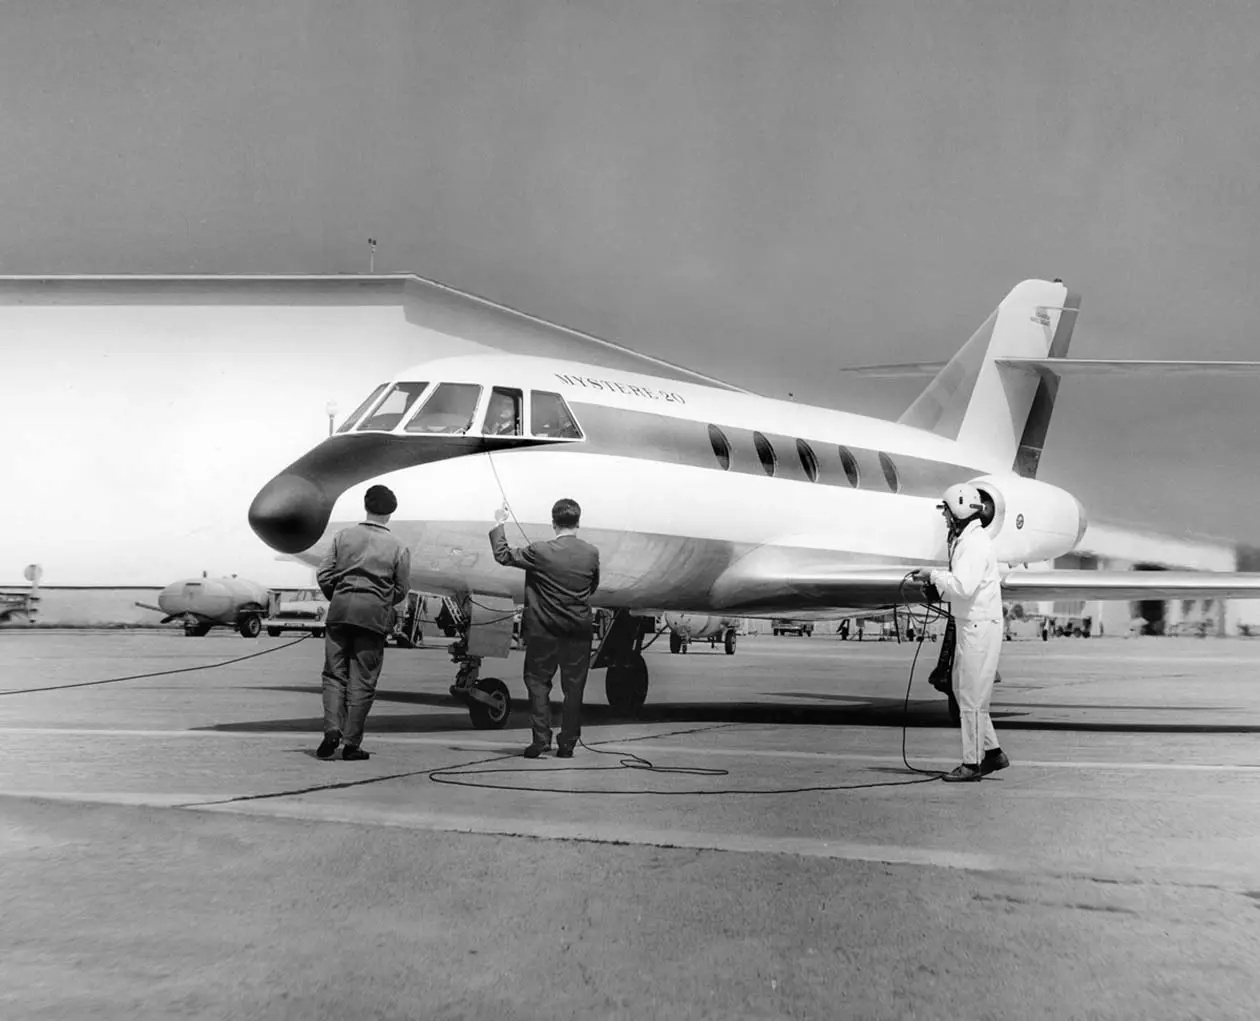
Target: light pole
331, 409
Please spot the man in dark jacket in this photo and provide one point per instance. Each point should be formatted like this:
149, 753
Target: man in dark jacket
364, 575
561, 576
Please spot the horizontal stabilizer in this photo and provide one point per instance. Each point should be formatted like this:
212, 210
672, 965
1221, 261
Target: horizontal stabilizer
902, 370
1067, 367
1126, 366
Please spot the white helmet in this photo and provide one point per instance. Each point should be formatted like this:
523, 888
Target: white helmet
963, 501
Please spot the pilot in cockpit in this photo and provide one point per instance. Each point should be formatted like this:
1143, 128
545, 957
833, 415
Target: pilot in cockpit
501, 416
548, 424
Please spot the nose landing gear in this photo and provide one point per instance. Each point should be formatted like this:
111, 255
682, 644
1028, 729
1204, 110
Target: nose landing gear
485, 627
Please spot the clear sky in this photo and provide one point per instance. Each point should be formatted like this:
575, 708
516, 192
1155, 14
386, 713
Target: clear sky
766, 191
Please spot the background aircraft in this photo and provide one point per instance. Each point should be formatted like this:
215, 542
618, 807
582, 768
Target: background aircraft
701, 497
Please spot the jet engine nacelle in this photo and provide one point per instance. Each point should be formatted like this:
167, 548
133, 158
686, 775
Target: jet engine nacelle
1032, 521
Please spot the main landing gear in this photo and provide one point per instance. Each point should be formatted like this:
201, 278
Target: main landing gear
621, 651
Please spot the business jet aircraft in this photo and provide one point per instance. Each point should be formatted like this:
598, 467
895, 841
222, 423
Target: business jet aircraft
701, 497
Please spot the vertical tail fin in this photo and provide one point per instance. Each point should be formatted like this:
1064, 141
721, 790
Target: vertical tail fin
1000, 415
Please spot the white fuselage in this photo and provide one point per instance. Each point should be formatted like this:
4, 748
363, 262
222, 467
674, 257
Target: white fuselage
670, 509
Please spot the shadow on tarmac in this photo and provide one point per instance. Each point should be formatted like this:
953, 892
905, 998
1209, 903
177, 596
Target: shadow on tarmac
858, 711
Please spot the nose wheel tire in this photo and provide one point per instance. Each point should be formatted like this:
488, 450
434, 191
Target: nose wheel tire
494, 714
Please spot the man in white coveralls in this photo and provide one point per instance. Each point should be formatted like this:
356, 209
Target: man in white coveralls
973, 586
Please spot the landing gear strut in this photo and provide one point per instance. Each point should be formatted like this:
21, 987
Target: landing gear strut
621, 651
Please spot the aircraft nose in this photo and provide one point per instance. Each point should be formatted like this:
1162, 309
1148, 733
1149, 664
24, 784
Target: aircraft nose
290, 513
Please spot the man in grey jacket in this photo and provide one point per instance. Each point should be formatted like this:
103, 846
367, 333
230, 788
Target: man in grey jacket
364, 575
561, 575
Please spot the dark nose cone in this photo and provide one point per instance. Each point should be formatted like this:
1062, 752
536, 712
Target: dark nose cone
290, 513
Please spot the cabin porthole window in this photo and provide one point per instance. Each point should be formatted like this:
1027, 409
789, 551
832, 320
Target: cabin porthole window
765, 453
890, 473
849, 463
721, 448
809, 463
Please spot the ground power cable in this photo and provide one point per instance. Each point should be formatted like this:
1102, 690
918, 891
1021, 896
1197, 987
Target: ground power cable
366, 781
457, 776
158, 673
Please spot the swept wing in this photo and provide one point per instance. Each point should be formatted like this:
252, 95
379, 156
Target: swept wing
752, 592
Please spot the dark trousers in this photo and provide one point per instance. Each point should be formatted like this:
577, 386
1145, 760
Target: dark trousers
352, 664
543, 654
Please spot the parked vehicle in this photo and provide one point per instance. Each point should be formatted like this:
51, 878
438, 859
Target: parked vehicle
784, 626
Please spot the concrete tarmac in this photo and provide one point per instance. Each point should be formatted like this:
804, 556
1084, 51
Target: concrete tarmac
172, 848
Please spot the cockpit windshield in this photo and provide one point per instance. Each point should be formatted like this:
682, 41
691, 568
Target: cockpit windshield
348, 424
394, 407
550, 416
504, 413
449, 410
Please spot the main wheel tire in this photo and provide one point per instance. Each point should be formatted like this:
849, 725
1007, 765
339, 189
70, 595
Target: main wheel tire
250, 626
729, 643
626, 684
491, 717
196, 630
675, 643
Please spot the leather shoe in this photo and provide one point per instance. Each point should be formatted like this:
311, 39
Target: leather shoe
535, 750
564, 751
994, 759
332, 738
353, 753
963, 774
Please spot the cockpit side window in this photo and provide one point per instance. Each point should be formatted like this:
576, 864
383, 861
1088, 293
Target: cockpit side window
449, 411
348, 424
503, 413
393, 409
550, 416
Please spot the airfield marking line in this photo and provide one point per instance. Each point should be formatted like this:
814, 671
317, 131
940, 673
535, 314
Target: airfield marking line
640, 743
1138, 872
814, 847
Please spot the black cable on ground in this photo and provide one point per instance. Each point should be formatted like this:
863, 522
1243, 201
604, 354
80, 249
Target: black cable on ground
158, 673
342, 785
456, 775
